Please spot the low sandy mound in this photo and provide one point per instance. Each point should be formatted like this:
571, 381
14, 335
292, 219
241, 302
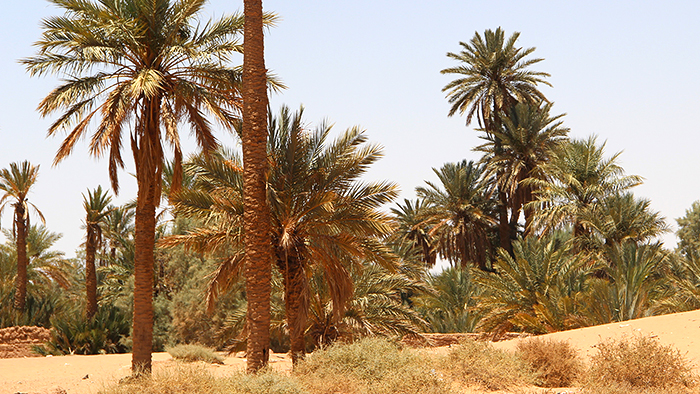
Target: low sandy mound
680, 330
17, 341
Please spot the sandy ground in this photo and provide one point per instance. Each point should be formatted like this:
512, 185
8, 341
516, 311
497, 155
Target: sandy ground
88, 374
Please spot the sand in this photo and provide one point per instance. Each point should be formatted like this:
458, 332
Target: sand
88, 374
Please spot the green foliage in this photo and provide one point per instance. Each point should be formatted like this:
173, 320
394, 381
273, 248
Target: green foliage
479, 363
191, 353
634, 286
105, 333
451, 305
638, 362
689, 232
371, 365
538, 290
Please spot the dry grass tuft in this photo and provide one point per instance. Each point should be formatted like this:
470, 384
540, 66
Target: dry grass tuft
195, 379
479, 363
638, 365
192, 353
554, 363
370, 366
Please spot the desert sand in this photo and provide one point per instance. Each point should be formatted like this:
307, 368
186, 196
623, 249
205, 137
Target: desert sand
88, 374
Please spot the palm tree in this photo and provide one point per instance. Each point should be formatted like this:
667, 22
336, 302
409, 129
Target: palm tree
96, 206
492, 77
451, 306
527, 139
538, 290
15, 183
322, 214
461, 213
139, 67
620, 218
580, 179
413, 231
259, 253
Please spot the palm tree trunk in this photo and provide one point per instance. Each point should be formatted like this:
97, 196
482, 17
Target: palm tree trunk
256, 211
22, 261
144, 242
90, 274
296, 305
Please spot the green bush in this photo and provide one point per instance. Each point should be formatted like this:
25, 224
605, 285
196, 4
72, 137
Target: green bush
74, 334
191, 353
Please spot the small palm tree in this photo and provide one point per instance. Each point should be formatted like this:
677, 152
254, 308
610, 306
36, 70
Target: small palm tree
96, 205
15, 184
136, 69
451, 306
493, 76
413, 233
580, 179
461, 213
322, 214
635, 285
620, 218
538, 290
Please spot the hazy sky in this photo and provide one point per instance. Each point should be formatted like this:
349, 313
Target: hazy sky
624, 70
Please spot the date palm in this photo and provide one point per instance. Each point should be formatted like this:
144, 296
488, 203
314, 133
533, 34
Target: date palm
461, 213
96, 205
527, 139
136, 70
413, 233
322, 214
15, 184
492, 77
580, 179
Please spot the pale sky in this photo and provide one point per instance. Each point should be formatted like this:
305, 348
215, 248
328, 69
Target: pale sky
624, 70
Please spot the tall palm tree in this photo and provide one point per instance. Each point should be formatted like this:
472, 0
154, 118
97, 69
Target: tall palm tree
96, 205
259, 253
580, 179
527, 139
139, 68
322, 214
15, 183
492, 77
461, 213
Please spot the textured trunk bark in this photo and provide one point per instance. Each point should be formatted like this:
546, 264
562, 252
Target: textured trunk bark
22, 261
144, 242
256, 211
90, 275
296, 306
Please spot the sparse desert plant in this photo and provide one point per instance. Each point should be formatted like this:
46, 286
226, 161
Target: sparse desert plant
191, 353
639, 364
479, 363
368, 366
554, 363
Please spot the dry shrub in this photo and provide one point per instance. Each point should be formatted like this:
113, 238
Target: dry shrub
369, 366
195, 379
554, 363
640, 364
191, 353
479, 363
